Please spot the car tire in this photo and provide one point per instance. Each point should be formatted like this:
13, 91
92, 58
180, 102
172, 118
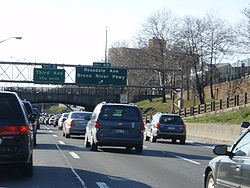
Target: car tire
146, 138
153, 139
139, 148
67, 135
27, 168
34, 141
86, 142
93, 146
63, 133
210, 182
183, 140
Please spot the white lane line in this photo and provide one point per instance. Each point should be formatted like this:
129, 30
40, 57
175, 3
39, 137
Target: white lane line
61, 142
72, 169
183, 158
145, 146
55, 135
210, 147
50, 131
74, 155
102, 185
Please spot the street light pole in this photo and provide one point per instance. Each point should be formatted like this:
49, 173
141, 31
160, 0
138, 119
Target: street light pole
19, 38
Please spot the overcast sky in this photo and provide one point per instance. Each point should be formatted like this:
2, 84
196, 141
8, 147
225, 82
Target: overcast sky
73, 31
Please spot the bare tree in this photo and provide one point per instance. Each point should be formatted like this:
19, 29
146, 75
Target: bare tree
242, 31
218, 42
156, 38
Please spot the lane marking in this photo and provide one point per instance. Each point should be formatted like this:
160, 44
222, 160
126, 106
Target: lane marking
72, 169
50, 131
74, 155
55, 135
183, 158
61, 142
145, 146
102, 185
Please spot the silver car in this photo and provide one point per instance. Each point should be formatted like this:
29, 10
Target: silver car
76, 123
62, 119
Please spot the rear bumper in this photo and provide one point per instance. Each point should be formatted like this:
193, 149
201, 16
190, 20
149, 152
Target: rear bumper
20, 157
73, 131
170, 135
107, 141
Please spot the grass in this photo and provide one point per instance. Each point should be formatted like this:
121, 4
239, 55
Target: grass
150, 108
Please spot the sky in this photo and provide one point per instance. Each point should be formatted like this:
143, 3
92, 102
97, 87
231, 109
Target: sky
74, 31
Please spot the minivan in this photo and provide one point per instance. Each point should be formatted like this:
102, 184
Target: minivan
16, 133
114, 124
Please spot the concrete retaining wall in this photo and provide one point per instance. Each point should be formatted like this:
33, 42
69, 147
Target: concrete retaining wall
222, 132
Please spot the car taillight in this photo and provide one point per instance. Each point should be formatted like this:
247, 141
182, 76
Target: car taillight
142, 127
158, 125
33, 122
185, 126
97, 124
14, 130
71, 124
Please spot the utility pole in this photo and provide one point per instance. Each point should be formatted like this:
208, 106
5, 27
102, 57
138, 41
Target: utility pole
105, 61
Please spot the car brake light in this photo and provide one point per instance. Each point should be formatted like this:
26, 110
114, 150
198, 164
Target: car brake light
71, 124
185, 126
14, 130
97, 124
142, 127
158, 125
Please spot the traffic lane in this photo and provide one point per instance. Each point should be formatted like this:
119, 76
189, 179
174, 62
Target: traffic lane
49, 168
108, 161
72, 148
160, 152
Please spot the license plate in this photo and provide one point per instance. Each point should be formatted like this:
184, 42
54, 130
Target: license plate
119, 131
171, 128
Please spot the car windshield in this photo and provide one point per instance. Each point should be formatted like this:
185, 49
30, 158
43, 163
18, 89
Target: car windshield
9, 108
124, 113
171, 119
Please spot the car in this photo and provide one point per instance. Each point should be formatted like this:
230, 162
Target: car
232, 167
114, 124
62, 119
165, 126
38, 117
30, 111
16, 133
76, 123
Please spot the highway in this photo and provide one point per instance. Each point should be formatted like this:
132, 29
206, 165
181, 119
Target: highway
61, 162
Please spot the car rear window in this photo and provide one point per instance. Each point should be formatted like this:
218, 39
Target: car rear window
10, 109
171, 119
124, 113
80, 115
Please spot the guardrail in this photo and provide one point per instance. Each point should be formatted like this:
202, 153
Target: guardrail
229, 102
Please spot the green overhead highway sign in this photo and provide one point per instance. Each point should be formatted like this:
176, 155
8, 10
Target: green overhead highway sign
101, 76
49, 75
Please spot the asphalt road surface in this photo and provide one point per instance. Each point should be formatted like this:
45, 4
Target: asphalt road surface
61, 162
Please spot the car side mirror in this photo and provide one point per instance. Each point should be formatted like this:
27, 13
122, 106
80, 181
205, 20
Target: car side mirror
220, 150
245, 124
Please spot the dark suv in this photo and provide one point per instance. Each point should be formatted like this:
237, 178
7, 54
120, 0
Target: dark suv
115, 125
34, 122
167, 126
16, 134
